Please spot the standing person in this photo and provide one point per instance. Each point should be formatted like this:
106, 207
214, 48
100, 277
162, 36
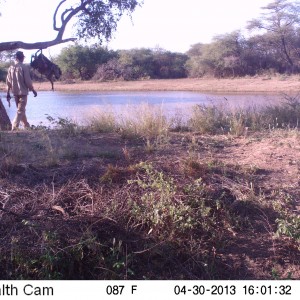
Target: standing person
19, 81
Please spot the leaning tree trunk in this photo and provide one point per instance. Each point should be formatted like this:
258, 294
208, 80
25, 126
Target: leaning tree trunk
5, 123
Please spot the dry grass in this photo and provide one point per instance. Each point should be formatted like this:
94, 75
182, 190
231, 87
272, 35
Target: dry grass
275, 84
151, 123
214, 119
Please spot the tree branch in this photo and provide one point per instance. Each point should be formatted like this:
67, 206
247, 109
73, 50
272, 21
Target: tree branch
66, 16
6, 46
55, 15
100, 22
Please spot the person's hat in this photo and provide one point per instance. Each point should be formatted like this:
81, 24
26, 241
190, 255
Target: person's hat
20, 55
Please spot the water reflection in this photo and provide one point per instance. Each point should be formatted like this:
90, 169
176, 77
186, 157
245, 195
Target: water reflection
80, 106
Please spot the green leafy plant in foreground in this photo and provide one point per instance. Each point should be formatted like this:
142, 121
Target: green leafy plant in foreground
288, 222
289, 226
162, 209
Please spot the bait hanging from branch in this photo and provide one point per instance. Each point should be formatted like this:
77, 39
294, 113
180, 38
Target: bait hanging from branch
45, 67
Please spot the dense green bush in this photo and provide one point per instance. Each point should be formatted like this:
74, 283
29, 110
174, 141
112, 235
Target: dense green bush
143, 64
81, 62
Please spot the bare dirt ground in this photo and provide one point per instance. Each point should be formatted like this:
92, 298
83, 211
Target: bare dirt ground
277, 161
277, 154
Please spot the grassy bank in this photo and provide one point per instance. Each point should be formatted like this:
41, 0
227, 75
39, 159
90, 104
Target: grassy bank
265, 84
211, 196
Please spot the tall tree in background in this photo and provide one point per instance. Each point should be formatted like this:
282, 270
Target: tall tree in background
280, 23
77, 61
221, 58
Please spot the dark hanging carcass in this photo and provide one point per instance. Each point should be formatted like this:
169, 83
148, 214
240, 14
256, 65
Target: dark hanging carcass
45, 67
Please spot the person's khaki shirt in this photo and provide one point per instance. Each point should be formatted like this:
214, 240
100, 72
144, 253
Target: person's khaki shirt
18, 79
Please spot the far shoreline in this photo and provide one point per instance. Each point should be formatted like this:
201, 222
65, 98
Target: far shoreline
248, 85
270, 85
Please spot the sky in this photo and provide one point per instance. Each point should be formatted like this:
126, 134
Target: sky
173, 25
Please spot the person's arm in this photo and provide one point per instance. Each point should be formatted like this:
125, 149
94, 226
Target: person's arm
8, 84
28, 80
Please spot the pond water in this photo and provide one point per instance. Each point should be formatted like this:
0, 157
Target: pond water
82, 106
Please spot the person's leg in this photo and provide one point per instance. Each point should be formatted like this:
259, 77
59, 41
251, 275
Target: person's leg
16, 120
21, 102
22, 109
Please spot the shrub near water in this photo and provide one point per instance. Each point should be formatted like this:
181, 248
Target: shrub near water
207, 119
145, 120
286, 115
214, 118
141, 121
104, 121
